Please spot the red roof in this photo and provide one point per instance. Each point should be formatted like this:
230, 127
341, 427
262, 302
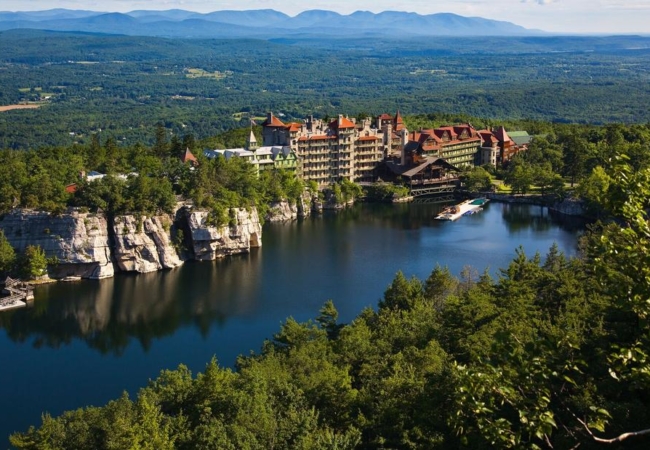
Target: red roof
425, 135
294, 127
188, 156
385, 117
487, 136
368, 138
272, 121
441, 131
71, 188
341, 122
501, 134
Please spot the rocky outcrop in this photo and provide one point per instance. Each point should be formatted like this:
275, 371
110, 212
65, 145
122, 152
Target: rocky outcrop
78, 240
211, 242
306, 204
569, 207
282, 211
524, 199
143, 244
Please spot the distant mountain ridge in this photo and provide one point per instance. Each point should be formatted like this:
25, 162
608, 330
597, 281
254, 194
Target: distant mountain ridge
262, 23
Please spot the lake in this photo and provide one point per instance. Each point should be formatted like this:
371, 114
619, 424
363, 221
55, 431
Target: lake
84, 343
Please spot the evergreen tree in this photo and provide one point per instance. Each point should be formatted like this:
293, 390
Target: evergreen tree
7, 254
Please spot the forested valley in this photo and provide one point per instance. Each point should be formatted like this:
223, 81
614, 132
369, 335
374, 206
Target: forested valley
550, 353
122, 86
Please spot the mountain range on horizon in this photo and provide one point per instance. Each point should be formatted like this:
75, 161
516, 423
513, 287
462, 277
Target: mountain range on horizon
261, 24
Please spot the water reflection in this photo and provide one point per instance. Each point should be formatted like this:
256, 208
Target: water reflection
349, 256
107, 314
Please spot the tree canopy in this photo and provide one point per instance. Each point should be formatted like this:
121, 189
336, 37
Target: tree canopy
550, 354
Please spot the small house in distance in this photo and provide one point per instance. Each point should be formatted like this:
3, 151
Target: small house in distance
189, 158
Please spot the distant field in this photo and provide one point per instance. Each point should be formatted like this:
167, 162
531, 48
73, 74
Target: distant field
200, 73
202, 87
10, 107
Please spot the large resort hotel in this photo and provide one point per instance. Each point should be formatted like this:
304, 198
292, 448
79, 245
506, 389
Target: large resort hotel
365, 150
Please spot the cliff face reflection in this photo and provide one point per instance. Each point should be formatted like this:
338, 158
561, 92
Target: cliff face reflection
107, 314
349, 257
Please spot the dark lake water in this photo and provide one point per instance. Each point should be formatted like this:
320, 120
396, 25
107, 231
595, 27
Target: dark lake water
85, 343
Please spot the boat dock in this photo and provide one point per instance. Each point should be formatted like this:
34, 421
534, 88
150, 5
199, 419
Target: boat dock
467, 207
17, 294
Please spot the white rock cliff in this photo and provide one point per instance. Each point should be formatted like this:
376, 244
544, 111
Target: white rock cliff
210, 242
79, 240
143, 244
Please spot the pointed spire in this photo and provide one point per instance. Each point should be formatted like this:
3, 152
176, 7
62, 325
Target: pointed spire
251, 142
398, 118
188, 156
398, 122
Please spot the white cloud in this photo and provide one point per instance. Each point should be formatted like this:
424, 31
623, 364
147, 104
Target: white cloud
539, 2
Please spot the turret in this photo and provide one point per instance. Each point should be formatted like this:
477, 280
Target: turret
251, 142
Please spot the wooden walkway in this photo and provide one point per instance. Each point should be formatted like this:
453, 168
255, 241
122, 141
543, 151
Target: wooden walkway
19, 294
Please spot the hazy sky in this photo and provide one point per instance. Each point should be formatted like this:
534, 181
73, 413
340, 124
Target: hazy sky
572, 16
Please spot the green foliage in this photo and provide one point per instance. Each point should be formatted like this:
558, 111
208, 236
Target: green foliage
519, 176
522, 361
385, 192
476, 179
138, 82
623, 262
595, 191
33, 263
7, 254
344, 191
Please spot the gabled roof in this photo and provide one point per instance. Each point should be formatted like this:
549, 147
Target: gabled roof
520, 137
488, 137
450, 130
341, 123
501, 135
425, 135
272, 121
188, 156
294, 127
399, 122
410, 171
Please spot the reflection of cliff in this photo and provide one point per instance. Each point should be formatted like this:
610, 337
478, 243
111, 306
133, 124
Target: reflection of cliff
519, 217
109, 313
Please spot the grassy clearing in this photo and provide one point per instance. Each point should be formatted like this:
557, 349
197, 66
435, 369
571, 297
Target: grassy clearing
12, 107
200, 73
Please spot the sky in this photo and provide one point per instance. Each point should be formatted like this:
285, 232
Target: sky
562, 16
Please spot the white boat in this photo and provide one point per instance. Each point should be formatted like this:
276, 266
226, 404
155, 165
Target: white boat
467, 207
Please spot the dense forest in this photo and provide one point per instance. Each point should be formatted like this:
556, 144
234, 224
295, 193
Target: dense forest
550, 354
553, 353
147, 179
120, 86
